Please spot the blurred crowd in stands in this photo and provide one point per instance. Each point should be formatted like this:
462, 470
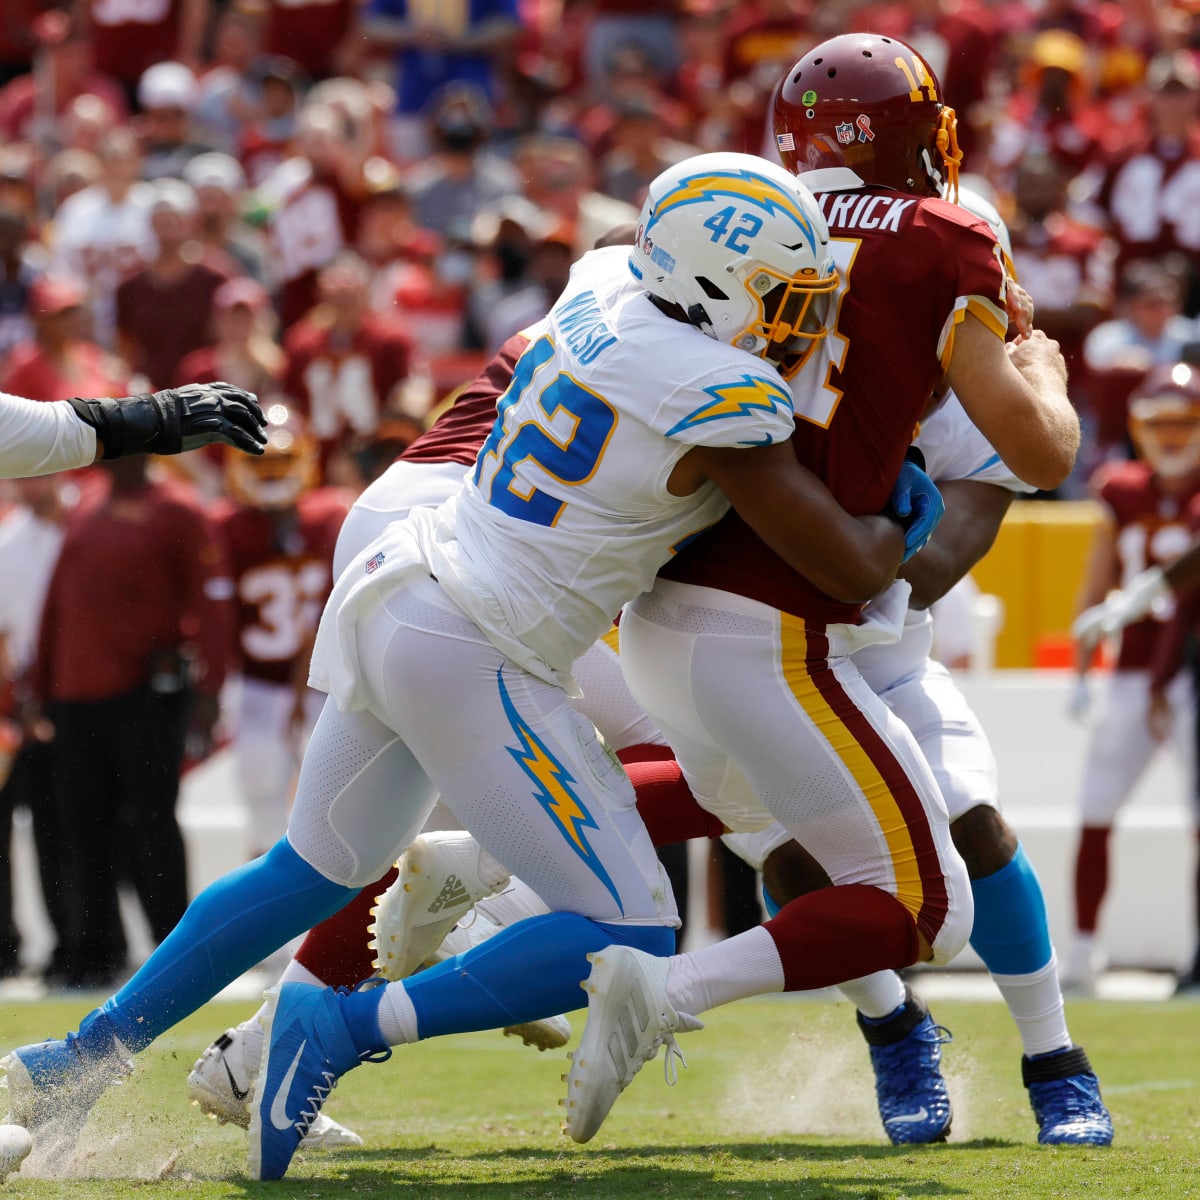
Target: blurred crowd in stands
347, 207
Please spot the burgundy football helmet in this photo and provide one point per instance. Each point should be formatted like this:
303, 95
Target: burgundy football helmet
870, 103
1164, 420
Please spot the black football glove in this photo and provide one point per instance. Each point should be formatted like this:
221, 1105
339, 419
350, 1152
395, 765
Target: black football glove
176, 419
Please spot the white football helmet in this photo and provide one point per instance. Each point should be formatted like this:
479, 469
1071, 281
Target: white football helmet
740, 246
983, 208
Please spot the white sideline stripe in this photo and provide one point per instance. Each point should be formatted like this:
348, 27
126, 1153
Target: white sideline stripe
1151, 1085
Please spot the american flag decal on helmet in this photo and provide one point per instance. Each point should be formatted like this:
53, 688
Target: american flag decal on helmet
785, 141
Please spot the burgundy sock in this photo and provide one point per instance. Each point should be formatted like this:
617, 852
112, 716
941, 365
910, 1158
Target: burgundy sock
1091, 877
841, 933
336, 951
664, 800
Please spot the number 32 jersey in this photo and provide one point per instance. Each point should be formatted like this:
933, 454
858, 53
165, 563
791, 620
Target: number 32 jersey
567, 515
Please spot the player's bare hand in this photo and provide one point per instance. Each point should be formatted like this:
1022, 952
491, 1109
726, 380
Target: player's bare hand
1159, 716
1020, 308
1036, 354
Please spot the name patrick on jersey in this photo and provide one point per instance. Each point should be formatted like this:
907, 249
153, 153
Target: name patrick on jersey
854, 210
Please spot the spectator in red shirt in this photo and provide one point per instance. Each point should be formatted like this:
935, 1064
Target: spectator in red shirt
129, 36
164, 311
1149, 195
32, 105
59, 361
135, 638
346, 366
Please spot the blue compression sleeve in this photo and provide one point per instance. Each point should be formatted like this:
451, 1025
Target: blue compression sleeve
1011, 933
231, 925
769, 903
528, 971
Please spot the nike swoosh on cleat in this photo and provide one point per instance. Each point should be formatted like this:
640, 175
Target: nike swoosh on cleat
238, 1093
921, 1114
279, 1116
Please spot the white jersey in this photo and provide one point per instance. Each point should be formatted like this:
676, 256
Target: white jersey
40, 438
954, 448
567, 515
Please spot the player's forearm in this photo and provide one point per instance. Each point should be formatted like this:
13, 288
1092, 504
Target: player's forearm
39, 438
974, 514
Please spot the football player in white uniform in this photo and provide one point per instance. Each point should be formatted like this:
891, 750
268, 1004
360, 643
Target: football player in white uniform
638, 415
41, 438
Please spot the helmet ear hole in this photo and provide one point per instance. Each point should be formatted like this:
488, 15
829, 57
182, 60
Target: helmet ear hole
710, 289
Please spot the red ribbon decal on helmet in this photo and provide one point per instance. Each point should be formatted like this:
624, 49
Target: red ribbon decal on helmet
865, 133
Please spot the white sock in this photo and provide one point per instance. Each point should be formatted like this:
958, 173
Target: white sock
514, 904
875, 996
397, 1017
745, 965
296, 972
1036, 1004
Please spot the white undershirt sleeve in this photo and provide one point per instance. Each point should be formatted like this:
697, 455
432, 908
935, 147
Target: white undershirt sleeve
38, 438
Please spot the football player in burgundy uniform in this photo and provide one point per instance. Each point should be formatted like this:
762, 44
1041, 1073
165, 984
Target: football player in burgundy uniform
742, 661
280, 531
1144, 526
1158, 588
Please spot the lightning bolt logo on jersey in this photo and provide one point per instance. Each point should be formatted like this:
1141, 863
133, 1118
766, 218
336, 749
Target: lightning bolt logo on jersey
552, 789
747, 187
738, 399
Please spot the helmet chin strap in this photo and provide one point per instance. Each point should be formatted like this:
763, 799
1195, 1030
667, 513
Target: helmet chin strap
697, 315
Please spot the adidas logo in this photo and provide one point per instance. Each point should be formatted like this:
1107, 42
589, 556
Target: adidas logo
453, 892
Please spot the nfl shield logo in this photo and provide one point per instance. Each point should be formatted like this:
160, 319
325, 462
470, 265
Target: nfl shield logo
374, 563
845, 133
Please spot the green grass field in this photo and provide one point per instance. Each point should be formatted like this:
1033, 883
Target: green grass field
776, 1102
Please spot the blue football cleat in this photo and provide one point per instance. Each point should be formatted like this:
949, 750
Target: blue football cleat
307, 1048
52, 1085
1065, 1095
906, 1053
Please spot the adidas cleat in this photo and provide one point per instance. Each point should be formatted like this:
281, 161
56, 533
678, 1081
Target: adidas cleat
906, 1055
441, 877
221, 1082
1065, 1096
307, 1048
629, 1017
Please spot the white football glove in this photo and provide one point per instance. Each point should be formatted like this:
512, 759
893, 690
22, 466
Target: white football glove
1147, 593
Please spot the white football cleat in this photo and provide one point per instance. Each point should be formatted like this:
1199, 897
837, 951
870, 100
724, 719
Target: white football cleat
223, 1078
629, 1017
441, 876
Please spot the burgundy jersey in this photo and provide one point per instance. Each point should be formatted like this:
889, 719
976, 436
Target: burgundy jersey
282, 567
130, 35
1152, 530
459, 432
1152, 197
307, 31
911, 269
138, 574
343, 388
